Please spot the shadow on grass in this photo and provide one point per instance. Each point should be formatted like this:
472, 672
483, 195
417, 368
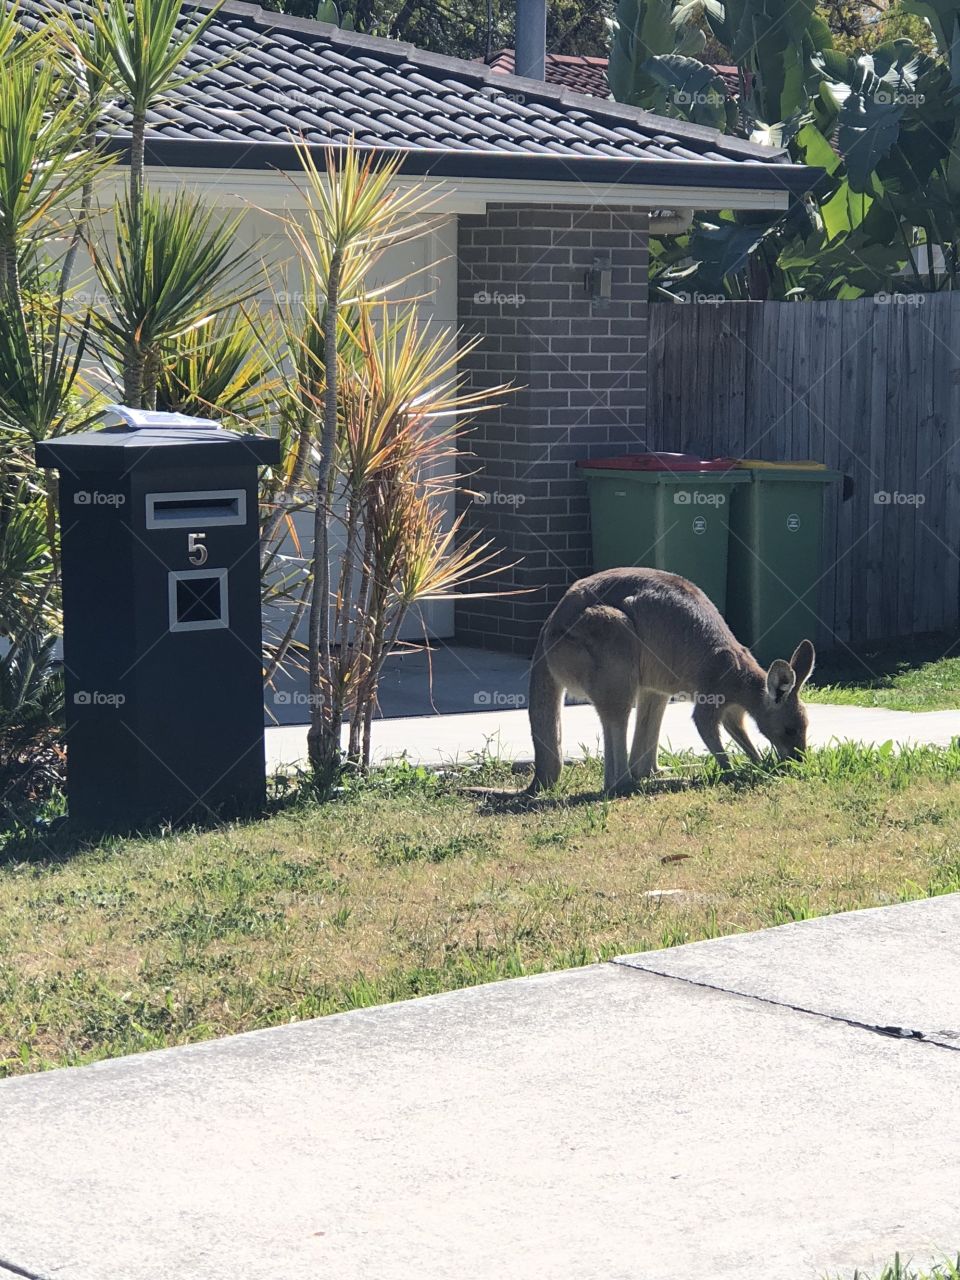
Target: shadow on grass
58, 840
53, 842
706, 777
878, 666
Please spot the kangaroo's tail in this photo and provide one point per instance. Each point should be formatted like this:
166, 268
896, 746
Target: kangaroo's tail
546, 699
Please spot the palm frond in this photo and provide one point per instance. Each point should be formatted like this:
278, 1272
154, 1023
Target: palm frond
44, 156
175, 267
138, 47
222, 367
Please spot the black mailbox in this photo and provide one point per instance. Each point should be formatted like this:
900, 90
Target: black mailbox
161, 617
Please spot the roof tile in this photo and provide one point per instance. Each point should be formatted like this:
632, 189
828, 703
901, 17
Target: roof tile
285, 76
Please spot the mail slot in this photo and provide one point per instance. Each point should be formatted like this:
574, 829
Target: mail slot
161, 612
186, 510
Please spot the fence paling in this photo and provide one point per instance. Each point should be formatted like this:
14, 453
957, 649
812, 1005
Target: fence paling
872, 389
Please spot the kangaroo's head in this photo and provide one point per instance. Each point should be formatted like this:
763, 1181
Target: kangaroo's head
783, 717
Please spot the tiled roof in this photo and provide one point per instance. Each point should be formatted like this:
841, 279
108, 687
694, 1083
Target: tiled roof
586, 74
583, 74
266, 77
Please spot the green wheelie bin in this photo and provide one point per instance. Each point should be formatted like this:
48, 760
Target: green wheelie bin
664, 511
774, 566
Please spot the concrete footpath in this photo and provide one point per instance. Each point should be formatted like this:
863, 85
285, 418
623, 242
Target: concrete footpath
445, 739
778, 1106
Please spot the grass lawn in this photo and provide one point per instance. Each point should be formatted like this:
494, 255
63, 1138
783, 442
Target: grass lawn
920, 675
407, 885
902, 1270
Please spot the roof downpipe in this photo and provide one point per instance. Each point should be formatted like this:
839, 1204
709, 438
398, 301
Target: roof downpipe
531, 39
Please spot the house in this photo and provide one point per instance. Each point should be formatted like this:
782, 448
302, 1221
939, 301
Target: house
585, 74
579, 72
546, 196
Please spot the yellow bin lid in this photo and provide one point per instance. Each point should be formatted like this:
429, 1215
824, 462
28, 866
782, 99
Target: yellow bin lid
804, 464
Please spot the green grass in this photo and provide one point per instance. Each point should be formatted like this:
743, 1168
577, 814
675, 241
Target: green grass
919, 675
903, 1270
408, 884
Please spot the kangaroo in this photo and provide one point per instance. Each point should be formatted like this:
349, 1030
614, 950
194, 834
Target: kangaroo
630, 638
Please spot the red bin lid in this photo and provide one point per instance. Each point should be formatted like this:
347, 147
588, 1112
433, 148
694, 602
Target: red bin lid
658, 462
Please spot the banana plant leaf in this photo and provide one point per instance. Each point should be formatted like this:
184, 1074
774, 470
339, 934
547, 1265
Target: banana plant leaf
723, 250
873, 94
689, 90
642, 29
944, 19
869, 130
850, 268
771, 38
845, 210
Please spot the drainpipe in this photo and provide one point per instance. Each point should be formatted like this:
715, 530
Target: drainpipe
666, 222
531, 39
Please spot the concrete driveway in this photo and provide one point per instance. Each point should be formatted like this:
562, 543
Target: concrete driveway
778, 1106
442, 739
454, 702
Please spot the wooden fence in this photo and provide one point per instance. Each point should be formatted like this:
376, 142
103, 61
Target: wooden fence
870, 387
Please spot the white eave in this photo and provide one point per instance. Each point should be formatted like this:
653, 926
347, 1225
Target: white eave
271, 189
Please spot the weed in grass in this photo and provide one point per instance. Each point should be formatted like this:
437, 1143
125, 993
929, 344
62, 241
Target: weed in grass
341, 917
393, 849
695, 819
674, 935
783, 911
546, 839
901, 1270
945, 877
596, 817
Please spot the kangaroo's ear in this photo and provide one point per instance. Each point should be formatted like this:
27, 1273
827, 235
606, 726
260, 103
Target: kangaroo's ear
804, 656
780, 680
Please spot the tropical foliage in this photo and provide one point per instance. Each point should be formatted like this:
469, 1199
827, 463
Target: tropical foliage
381, 407
162, 309
457, 27
31, 706
881, 127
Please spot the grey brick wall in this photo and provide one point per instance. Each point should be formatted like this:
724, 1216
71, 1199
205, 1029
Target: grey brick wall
580, 374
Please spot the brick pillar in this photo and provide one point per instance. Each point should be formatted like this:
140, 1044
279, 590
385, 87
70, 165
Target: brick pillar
580, 369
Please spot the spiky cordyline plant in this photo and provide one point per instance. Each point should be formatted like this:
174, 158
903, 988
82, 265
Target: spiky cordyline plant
355, 210
136, 49
43, 164
225, 366
402, 409
43, 157
174, 268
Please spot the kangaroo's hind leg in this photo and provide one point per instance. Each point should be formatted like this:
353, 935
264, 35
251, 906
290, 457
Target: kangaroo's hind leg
616, 764
604, 663
646, 733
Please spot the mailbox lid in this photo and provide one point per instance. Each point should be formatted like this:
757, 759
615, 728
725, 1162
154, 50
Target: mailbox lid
120, 449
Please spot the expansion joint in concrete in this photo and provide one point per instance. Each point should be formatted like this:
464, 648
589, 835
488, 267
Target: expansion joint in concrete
8, 1269
892, 1032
